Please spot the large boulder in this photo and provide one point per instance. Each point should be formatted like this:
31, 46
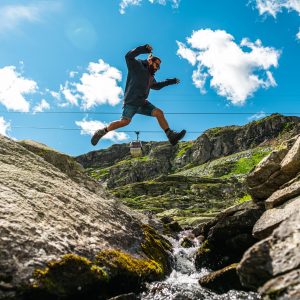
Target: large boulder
228, 236
272, 218
274, 171
46, 214
222, 281
272, 257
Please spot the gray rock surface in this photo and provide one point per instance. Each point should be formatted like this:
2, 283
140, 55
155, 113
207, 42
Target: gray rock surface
274, 256
282, 195
284, 287
291, 162
45, 214
273, 172
272, 218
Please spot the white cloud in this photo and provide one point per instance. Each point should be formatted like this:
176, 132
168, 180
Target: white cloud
4, 127
257, 116
13, 88
236, 71
69, 92
55, 95
125, 3
187, 53
273, 7
42, 106
11, 16
89, 127
98, 86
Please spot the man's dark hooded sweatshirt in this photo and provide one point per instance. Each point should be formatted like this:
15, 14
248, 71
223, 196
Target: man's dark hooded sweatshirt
139, 79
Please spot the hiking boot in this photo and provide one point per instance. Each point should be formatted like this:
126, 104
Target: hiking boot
174, 136
97, 136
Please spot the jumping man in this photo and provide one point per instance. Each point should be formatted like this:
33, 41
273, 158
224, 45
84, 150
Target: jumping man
140, 80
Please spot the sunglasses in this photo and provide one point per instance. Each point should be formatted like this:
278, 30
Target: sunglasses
157, 65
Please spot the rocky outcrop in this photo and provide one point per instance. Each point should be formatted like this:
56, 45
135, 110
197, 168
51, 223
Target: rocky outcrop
223, 141
274, 256
46, 214
272, 265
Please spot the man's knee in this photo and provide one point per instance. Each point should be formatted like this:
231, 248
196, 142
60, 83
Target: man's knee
125, 121
157, 113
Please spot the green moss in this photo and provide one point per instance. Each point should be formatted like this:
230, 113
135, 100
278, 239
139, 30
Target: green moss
157, 248
245, 198
221, 130
70, 275
183, 147
98, 173
119, 264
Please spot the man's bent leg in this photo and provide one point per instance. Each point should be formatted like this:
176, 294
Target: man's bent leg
159, 114
112, 126
118, 124
173, 136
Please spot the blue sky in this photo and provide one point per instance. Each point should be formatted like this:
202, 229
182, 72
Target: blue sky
60, 60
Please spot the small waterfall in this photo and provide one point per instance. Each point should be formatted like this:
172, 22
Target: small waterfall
182, 284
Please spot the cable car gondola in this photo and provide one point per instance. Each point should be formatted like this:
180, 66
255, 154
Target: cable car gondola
136, 149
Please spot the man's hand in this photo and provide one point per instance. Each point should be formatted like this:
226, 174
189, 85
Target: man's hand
149, 48
173, 80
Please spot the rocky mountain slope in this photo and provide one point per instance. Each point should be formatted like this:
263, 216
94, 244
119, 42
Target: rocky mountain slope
194, 180
60, 235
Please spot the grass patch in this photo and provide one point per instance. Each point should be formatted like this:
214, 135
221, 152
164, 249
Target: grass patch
245, 164
183, 147
247, 197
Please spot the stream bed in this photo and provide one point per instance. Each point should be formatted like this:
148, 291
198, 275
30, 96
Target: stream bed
182, 284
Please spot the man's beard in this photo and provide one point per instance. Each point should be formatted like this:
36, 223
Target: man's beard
152, 70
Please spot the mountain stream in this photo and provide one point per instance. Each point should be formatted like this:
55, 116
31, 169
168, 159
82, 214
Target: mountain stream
182, 284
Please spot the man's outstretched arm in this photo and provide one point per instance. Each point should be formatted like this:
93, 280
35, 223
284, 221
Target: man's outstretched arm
137, 51
159, 85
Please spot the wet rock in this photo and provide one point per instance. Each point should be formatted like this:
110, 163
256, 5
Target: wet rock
272, 218
167, 219
130, 296
274, 256
187, 243
222, 281
175, 227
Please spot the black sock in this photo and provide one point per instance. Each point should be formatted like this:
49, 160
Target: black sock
105, 129
167, 130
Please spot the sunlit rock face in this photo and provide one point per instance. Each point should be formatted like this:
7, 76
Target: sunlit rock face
45, 213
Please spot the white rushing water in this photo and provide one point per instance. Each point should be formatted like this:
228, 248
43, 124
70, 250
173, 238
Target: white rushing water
182, 284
